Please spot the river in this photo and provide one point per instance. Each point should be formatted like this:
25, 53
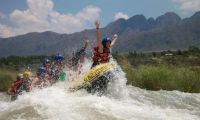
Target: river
120, 102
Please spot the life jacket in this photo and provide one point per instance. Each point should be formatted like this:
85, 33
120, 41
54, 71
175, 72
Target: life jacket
16, 85
101, 57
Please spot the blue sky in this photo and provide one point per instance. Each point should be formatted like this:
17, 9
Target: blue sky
68, 16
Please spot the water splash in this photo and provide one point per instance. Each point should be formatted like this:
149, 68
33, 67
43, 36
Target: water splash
121, 102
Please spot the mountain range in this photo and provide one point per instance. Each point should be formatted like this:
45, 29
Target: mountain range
166, 32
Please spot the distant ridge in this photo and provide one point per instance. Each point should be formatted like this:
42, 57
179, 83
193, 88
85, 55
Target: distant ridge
167, 32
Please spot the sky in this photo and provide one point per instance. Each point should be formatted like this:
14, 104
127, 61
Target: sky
19, 17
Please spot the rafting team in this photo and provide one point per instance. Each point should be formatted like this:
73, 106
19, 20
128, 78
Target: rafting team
52, 70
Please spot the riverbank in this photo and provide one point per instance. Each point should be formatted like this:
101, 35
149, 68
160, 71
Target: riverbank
168, 71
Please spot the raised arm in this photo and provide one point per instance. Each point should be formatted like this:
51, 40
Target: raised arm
114, 39
98, 34
86, 41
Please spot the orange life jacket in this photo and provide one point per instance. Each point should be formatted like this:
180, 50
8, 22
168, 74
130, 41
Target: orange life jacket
101, 57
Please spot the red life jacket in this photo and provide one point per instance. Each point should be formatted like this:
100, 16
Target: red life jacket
16, 85
101, 57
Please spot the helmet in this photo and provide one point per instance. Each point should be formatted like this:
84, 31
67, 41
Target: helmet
19, 76
46, 61
59, 57
27, 74
40, 70
105, 40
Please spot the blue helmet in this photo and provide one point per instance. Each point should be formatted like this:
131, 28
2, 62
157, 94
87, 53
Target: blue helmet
59, 57
46, 61
105, 40
40, 70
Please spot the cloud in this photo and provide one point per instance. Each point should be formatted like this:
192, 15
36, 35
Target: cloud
120, 15
6, 31
188, 5
40, 16
89, 13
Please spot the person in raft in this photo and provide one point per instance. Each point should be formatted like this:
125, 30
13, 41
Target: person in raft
18, 87
101, 52
79, 56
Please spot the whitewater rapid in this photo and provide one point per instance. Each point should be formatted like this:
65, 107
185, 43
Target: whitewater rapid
120, 102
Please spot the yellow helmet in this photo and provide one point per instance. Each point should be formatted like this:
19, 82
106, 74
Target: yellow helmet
27, 74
